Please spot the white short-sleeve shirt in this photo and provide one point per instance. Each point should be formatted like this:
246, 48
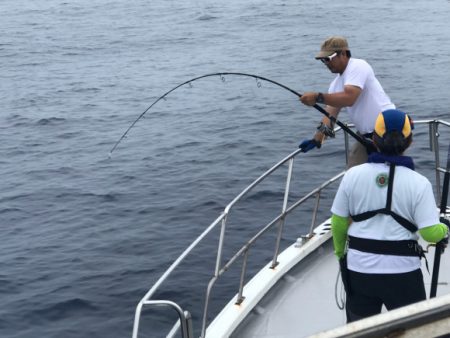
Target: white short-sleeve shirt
372, 100
412, 198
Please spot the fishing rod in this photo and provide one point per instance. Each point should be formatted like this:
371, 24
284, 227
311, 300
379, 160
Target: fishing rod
440, 246
257, 77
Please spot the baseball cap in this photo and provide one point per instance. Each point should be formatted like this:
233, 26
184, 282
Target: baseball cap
331, 45
393, 120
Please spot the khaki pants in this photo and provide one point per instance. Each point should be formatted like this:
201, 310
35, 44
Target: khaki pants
357, 155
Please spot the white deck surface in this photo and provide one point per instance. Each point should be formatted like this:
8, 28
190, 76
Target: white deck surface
303, 303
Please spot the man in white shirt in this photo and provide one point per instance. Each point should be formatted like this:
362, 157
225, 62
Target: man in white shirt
378, 211
356, 88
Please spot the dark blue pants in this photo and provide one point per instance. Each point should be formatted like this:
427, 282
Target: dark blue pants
368, 292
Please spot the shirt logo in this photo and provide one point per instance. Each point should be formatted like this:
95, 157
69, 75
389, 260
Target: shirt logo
382, 180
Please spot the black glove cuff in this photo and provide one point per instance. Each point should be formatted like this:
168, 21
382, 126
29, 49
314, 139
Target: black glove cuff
326, 130
317, 143
445, 221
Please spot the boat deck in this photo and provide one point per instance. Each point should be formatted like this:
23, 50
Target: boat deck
307, 304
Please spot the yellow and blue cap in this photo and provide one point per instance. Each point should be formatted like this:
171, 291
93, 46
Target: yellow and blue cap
393, 120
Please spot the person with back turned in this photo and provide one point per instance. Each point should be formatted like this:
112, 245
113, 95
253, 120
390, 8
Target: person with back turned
387, 204
354, 87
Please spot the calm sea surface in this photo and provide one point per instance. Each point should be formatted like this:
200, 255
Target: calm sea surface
83, 237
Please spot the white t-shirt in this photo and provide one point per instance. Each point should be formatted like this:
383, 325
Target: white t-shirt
362, 190
372, 100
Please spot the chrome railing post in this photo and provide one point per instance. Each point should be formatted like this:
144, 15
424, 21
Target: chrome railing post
220, 248
283, 212
240, 297
137, 317
314, 217
434, 146
189, 324
205, 308
182, 322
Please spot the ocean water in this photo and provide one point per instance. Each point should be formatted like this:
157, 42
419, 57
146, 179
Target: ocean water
84, 236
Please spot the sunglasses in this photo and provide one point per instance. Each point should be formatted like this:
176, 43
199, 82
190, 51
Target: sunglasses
327, 59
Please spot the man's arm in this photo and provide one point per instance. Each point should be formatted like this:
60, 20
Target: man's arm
347, 98
334, 102
333, 111
339, 100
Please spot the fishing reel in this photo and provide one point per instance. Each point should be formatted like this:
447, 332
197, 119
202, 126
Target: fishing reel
326, 130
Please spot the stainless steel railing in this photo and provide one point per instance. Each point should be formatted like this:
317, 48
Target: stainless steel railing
184, 323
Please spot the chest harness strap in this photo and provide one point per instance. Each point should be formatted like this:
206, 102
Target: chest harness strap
396, 248
387, 209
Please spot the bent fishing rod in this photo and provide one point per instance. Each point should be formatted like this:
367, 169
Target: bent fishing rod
257, 77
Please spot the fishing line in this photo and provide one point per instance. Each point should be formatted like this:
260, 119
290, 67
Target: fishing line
258, 83
339, 293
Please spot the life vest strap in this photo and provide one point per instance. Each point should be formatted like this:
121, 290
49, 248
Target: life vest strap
382, 247
369, 214
387, 209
